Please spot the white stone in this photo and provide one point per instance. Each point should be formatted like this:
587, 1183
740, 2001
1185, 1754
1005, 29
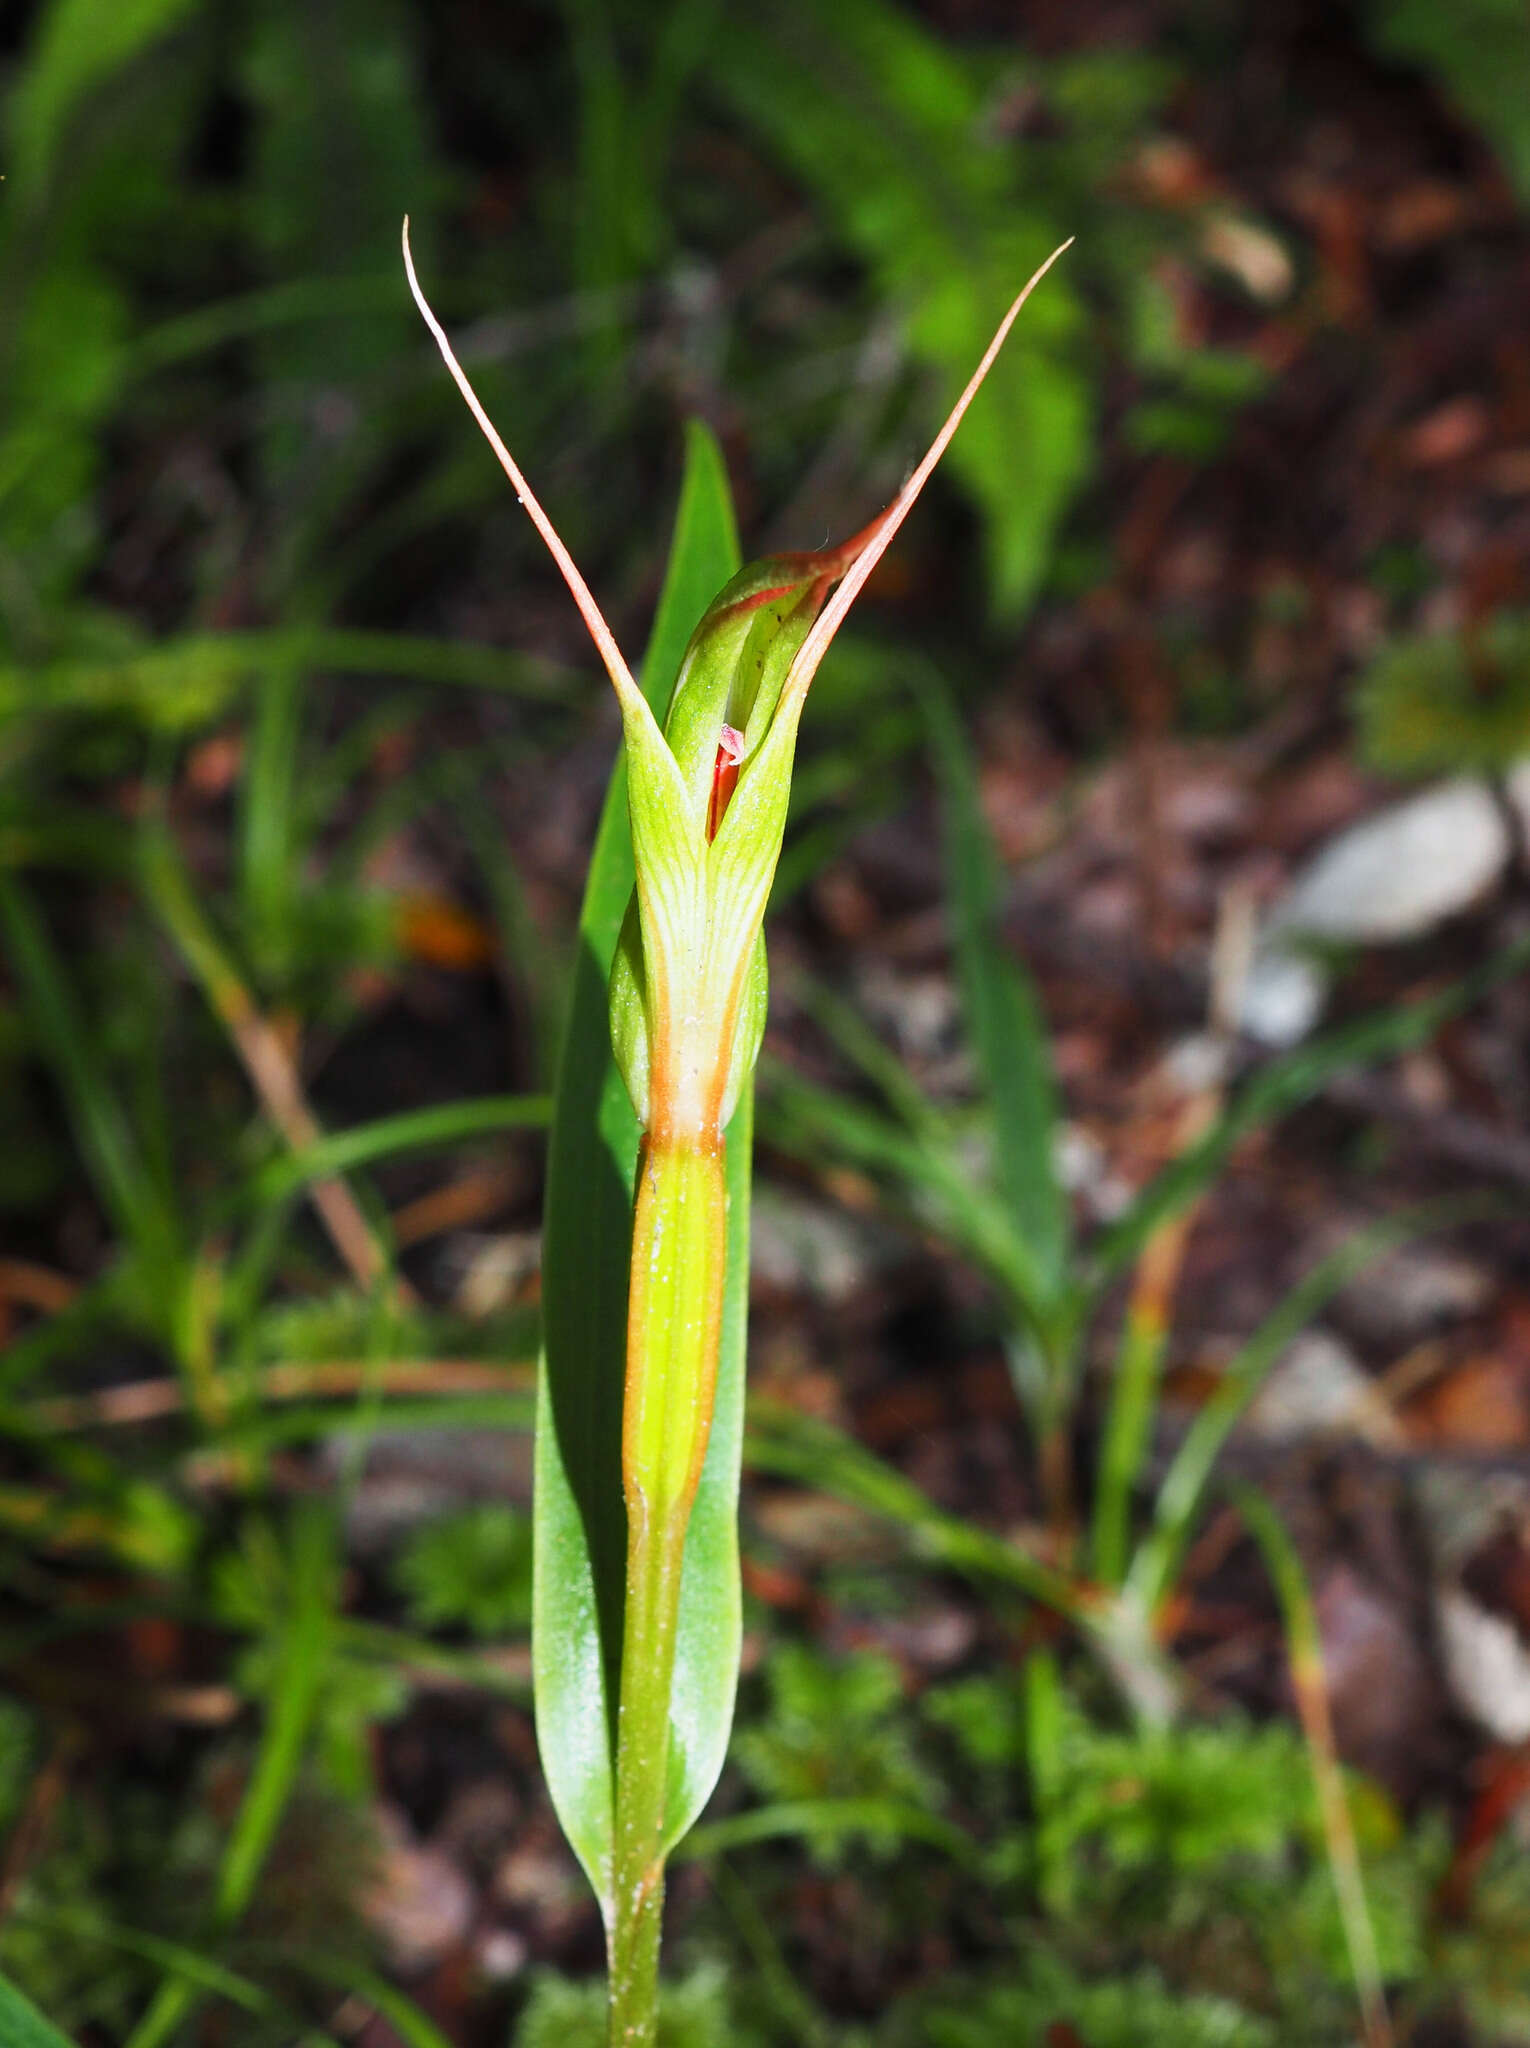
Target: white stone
1283, 997
1403, 1297
1398, 874
1488, 1664
1394, 876
805, 1247
1318, 1388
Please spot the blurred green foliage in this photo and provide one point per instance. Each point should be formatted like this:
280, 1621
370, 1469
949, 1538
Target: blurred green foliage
1449, 703
1480, 54
214, 199
901, 142
126, 1858
472, 1571
1135, 1887
253, 586
1131, 2012
831, 1733
559, 2014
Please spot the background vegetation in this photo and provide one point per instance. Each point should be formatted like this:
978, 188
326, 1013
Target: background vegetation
300, 754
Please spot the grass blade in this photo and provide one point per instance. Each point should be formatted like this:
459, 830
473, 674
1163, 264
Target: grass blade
126, 1188
930, 1178
1128, 1429
412, 1130
22, 2025
853, 1037
1284, 1085
173, 1956
791, 1818
296, 1681
815, 1454
795, 1446
182, 684
1310, 1684
1003, 1014
269, 1065
306, 1423
1184, 1485
412, 2026
269, 849
1124, 1440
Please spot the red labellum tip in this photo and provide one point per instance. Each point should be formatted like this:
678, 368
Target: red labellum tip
730, 751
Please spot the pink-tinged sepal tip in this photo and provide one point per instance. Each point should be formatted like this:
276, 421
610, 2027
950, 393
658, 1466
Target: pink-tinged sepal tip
730, 751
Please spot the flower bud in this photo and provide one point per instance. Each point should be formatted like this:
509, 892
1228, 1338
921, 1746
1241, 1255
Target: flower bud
724, 702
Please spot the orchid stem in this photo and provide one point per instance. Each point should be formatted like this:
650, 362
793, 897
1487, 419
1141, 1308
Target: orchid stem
642, 1770
674, 1311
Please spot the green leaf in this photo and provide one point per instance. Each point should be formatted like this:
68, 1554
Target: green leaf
578, 1514
78, 47
1002, 1012
22, 2025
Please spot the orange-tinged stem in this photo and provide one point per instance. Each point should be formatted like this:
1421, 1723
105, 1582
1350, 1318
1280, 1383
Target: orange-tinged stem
674, 1318
674, 1325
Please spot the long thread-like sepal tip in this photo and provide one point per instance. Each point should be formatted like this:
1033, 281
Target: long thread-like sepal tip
830, 619
589, 610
